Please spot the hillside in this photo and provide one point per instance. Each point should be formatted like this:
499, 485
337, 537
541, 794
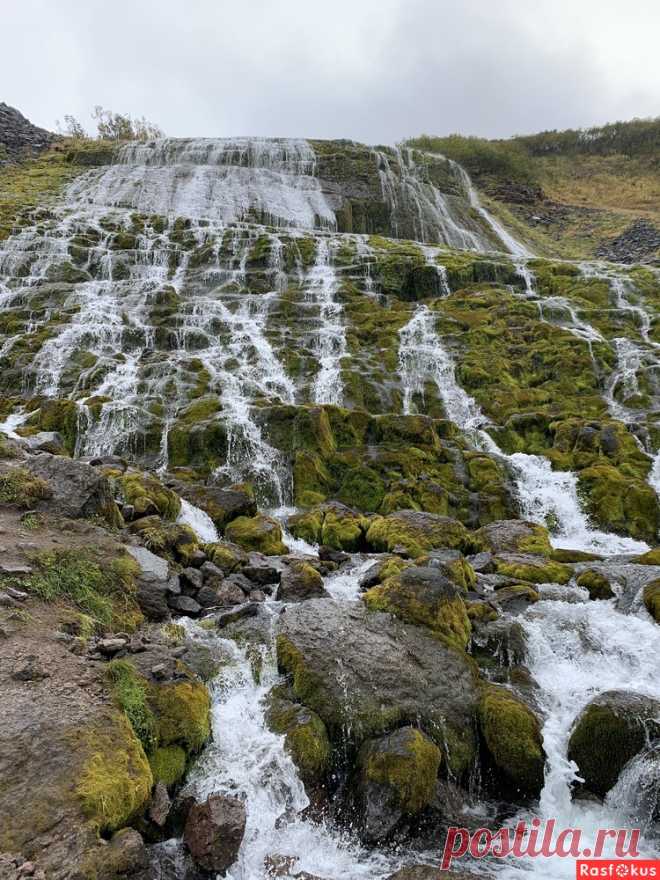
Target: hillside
329, 510
574, 193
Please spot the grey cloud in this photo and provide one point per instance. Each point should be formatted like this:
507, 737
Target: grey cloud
372, 70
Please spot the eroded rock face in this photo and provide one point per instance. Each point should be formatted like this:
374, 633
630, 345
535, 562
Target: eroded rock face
365, 673
18, 135
214, 831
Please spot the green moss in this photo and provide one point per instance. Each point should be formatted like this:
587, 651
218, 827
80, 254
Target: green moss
362, 488
652, 599
260, 533
129, 689
225, 556
148, 495
540, 571
417, 535
627, 505
116, 779
512, 734
306, 738
18, 486
407, 764
308, 525
597, 584
168, 765
440, 610
182, 711
652, 557
60, 416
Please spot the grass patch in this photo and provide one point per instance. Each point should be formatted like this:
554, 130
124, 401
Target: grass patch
19, 486
129, 690
105, 594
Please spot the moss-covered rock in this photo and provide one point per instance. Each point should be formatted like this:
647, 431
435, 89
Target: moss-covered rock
417, 533
306, 738
227, 556
453, 565
596, 584
116, 779
536, 569
652, 599
300, 581
18, 486
613, 728
332, 524
515, 536
425, 597
260, 533
168, 764
619, 503
148, 495
182, 711
397, 778
512, 735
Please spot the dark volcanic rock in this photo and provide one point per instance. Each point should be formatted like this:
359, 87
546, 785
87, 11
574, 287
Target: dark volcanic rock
19, 136
214, 831
639, 243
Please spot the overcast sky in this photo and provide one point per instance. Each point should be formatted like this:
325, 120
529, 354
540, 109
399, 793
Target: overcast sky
370, 70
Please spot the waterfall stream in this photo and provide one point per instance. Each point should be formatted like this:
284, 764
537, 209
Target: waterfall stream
544, 495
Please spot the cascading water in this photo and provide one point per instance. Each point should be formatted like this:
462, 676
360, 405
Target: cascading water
330, 337
247, 760
576, 650
545, 496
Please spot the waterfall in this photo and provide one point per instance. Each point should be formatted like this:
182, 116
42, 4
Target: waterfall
246, 759
545, 496
576, 650
329, 343
199, 521
227, 180
513, 246
418, 209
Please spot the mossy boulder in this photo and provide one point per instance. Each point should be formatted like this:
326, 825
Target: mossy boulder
362, 488
652, 557
116, 779
306, 738
652, 599
396, 779
512, 736
227, 556
595, 582
453, 565
610, 731
300, 581
148, 496
174, 541
225, 505
536, 569
365, 673
260, 533
619, 503
416, 533
424, 597
515, 536
21, 488
168, 764
61, 416
331, 524
182, 711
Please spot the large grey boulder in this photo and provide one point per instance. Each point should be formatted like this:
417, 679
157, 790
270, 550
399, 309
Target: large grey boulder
78, 489
365, 673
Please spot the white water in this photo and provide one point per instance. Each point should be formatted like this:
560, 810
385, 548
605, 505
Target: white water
577, 650
226, 180
545, 496
247, 760
513, 246
199, 521
329, 343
